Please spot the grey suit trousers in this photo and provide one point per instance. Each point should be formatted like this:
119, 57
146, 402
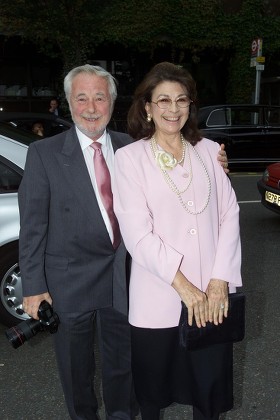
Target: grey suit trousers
74, 346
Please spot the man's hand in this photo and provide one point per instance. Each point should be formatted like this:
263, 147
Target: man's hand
31, 304
222, 158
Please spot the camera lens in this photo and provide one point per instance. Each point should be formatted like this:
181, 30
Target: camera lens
22, 332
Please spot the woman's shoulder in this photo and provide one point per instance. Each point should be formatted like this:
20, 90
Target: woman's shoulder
136, 146
208, 145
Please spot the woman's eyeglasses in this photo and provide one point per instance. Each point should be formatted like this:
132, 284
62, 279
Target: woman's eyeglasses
165, 103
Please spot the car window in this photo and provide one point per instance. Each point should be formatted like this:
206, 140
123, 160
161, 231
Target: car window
272, 116
245, 116
218, 117
9, 178
17, 134
51, 127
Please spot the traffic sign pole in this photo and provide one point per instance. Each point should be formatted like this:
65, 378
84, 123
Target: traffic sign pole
256, 58
258, 86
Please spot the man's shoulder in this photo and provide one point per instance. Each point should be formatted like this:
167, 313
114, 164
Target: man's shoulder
122, 138
52, 143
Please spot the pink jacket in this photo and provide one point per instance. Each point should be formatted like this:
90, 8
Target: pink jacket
162, 236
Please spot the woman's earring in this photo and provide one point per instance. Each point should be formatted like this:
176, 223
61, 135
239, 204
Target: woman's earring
149, 117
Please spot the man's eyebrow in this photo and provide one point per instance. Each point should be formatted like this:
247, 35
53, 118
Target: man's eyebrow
96, 94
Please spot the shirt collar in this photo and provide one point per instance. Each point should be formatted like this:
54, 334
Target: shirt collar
85, 141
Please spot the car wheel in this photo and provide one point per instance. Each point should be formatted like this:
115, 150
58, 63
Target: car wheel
11, 312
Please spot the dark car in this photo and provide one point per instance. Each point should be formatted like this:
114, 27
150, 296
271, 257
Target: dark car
269, 187
54, 125
25, 121
251, 133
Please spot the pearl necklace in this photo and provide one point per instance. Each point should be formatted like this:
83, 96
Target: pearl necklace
184, 151
176, 162
172, 184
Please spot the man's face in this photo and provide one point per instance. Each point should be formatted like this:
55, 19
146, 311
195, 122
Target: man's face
90, 104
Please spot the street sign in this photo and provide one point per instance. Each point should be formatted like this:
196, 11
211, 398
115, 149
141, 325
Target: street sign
256, 47
253, 62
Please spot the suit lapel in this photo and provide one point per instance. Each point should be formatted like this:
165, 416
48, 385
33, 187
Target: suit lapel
72, 162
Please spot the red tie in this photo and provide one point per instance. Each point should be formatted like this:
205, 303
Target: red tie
103, 181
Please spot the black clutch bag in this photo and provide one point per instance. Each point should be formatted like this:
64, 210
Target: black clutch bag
231, 330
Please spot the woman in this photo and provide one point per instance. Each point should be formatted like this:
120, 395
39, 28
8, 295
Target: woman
180, 222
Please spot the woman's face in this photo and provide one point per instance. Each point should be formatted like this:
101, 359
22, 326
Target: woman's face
169, 121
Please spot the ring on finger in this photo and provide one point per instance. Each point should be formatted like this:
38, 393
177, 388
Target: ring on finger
222, 306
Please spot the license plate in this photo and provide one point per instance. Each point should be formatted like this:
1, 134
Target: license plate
272, 198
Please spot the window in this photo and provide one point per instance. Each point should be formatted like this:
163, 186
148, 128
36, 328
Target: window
9, 178
218, 118
272, 116
244, 116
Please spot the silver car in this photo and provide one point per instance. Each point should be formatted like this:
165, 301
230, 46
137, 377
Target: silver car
13, 150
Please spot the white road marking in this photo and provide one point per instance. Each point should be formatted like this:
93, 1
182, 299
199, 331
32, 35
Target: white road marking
249, 202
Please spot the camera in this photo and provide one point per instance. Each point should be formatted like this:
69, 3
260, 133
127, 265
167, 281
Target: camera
48, 321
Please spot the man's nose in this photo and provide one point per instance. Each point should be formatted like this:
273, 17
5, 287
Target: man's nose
92, 105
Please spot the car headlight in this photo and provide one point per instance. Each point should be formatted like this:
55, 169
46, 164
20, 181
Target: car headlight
265, 175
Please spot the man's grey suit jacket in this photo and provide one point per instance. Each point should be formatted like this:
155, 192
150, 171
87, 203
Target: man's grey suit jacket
64, 244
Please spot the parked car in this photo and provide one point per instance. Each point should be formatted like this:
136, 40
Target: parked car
13, 149
25, 120
269, 187
251, 133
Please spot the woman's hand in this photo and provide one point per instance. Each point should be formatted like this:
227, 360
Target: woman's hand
193, 298
217, 294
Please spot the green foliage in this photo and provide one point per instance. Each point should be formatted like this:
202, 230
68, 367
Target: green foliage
72, 29
63, 27
250, 23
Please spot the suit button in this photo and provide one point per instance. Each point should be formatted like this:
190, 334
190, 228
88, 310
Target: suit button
186, 175
192, 231
190, 203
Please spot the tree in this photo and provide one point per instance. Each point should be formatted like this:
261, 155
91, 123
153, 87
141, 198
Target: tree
250, 23
73, 29
195, 26
63, 28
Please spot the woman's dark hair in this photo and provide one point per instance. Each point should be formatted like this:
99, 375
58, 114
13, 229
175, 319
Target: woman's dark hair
137, 124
